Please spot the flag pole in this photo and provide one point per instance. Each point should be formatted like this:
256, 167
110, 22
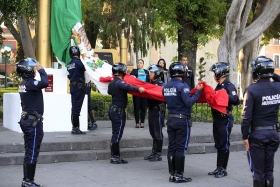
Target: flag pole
43, 49
124, 50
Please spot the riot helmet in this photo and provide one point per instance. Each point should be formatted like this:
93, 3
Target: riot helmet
119, 69
74, 51
158, 73
177, 69
25, 67
220, 69
262, 67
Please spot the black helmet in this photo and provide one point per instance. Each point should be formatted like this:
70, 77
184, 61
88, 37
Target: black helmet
177, 69
74, 51
262, 67
25, 67
220, 69
119, 69
157, 71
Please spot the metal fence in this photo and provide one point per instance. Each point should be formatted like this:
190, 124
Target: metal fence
200, 112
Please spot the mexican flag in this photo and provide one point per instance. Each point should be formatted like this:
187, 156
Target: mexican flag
66, 31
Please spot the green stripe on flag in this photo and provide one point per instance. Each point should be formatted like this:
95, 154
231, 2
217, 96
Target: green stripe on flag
64, 15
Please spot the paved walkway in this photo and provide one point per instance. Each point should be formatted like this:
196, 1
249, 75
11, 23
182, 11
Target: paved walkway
137, 173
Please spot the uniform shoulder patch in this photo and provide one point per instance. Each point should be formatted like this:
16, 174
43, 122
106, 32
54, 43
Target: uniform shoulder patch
186, 90
36, 83
233, 92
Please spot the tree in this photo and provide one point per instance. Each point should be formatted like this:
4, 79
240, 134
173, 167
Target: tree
252, 49
191, 23
237, 33
16, 15
135, 20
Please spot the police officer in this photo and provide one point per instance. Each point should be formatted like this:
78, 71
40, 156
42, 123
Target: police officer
31, 124
179, 102
276, 77
76, 76
156, 115
91, 119
118, 89
259, 122
223, 123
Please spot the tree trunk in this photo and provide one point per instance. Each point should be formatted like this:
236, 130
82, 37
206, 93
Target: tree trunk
26, 38
187, 45
250, 51
247, 54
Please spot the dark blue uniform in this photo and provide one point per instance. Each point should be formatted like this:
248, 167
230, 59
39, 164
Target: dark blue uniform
76, 76
259, 119
118, 89
222, 124
276, 77
31, 96
179, 102
156, 115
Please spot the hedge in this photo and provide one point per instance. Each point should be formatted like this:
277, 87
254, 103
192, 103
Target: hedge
101, 103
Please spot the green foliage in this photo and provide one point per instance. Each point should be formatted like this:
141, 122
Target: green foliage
20, 52
7, 90
201, 69
135, 20
11, 9
203, 17
15, 78
1, 37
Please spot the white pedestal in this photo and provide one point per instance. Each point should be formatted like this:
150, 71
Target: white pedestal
57, 112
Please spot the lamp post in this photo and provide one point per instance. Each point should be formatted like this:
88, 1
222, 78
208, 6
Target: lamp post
6, 52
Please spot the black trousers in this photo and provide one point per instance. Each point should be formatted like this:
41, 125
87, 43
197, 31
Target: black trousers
140, 109
156, 122
178, 136
77, 99
263, 145
32, 139
118, 120
221, 132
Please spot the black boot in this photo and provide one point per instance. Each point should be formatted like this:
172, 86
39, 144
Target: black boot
259, 183
76, 125
224, 161
153, 151
269, 183
158, 149
91, 121
115, 154
179, 170
30, 173
218, 165
171, 167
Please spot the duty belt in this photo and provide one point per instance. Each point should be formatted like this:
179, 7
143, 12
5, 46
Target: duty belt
116, 108
182, 116
221, 115
273, 127
78, 84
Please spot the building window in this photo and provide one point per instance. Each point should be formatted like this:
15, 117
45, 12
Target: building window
277, 60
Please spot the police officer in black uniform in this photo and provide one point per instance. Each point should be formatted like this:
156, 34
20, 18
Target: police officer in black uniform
223, 123
76, 76
260, 121
91, 119
156, 115
118, 89
31, 121
179, 102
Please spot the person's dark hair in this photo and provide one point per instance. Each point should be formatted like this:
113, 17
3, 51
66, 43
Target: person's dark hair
164, 66
141, 60
183, 57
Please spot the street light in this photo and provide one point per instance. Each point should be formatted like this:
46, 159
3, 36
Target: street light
6, 52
